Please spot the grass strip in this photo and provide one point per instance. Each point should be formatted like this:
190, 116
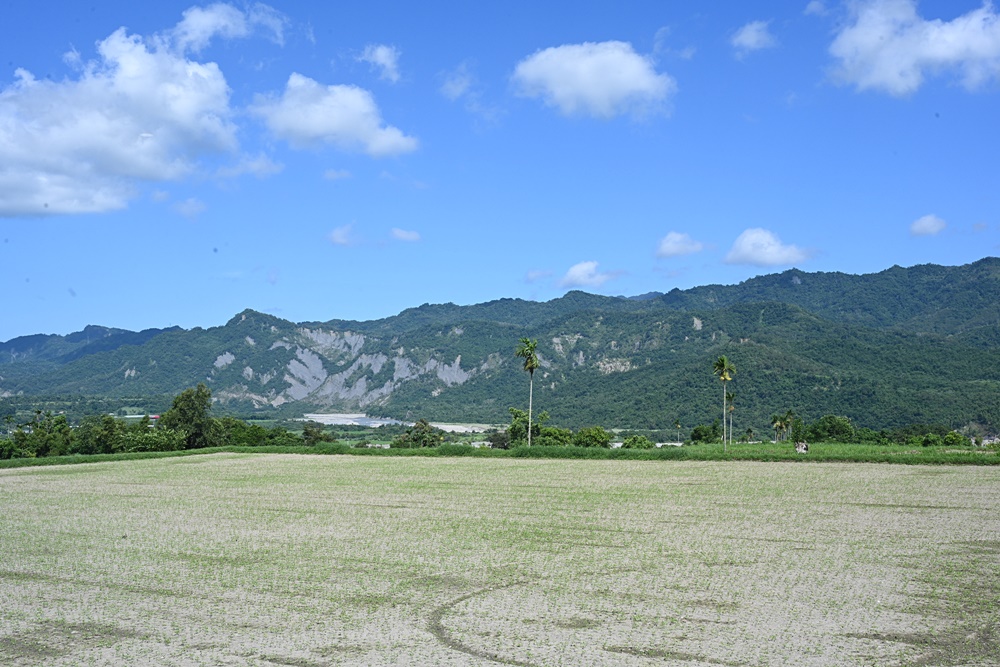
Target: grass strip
819, 452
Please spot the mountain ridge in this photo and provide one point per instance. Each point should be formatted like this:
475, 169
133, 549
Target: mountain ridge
815, 342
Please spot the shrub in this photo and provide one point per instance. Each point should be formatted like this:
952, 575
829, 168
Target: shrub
831, 428
955, 439
499, 440
150, 440
637, 442
551, 436
702, 433
421, 434
592, 436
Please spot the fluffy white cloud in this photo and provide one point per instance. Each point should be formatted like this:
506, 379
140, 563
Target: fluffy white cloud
675, 244
585, 274
405, 235
752, 37
65, 149
341, 235
928, 225
888, 46
385, 58
309, 114
199, 25
760, 247
603, 80
142, 110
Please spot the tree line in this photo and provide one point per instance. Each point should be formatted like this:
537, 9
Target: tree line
188, 424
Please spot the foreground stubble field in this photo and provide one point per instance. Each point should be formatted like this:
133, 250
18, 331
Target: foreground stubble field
244, 559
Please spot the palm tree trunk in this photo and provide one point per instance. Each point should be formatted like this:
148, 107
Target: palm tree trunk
723, 416
531, 390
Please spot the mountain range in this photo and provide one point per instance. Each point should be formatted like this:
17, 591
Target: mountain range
902, 346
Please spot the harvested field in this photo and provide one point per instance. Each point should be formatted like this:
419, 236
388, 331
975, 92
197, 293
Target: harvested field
248, 559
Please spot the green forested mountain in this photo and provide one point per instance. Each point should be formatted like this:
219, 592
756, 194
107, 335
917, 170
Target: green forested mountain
907, 345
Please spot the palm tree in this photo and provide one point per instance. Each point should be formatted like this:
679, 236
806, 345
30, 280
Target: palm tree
788, 421
731, 398
526, 351
725, 370
776, 425
677, 425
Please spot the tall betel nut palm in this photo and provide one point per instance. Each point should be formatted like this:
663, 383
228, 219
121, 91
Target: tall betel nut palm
526, 351
725, 370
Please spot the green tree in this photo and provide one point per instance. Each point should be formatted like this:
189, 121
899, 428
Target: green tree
45, 435
703, 433
831, 428
725, 370
526, 350
313, 433
190, 416
421, 434
97, 434
553, 436
518, 429
798, 430
241, 434
150, 440
788, 424
592, 436
677, 425
637, 442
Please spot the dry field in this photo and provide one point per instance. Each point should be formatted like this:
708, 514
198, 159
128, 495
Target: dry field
347, 560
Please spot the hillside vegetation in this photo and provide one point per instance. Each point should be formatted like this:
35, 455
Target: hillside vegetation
903, 346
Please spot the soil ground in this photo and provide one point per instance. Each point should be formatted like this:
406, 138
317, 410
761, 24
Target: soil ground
249, 559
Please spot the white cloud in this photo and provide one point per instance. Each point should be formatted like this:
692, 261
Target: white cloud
928, 225
336, 174
585, 274
259, 166
752, 37
385, 58
675, 244
760, 247
199, 25
889, 47
309, 114
461, 84
816, 8
140, 111
190, 208
341, 235
602, 80
65, 149
404, 235
458, 82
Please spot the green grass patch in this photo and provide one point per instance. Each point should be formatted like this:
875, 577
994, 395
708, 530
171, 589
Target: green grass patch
818, 453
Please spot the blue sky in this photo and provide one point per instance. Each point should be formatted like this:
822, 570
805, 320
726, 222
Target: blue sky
172, 163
